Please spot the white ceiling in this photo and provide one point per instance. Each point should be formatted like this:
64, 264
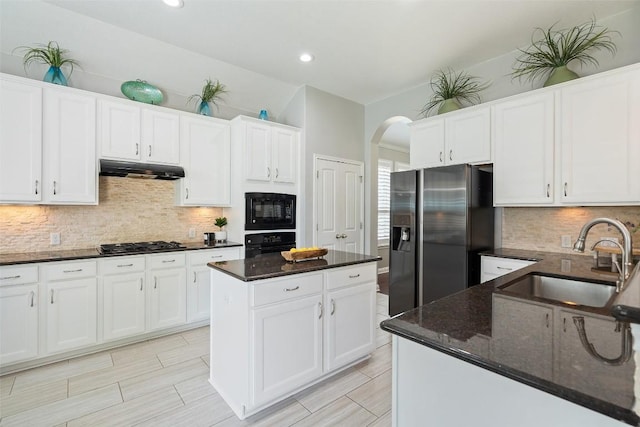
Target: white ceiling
365, 50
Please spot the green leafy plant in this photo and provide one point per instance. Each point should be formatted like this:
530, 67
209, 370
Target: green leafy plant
448, 84
211, 92
557, 48
50, 54
221, 222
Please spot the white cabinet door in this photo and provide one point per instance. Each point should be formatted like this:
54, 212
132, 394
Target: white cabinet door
69, 147
160, 137
70, 308
287, 347
258, 151
20, 142
285, 155
468, 137
523, 136
600, 140
350, 328
427, 144
19, 323
123, 305
205, 150
167, 298
119, 130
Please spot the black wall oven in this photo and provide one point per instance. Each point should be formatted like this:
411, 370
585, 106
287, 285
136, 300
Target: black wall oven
266, 243
270, 211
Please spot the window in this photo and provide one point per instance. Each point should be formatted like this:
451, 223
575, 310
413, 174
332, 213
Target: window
384, 201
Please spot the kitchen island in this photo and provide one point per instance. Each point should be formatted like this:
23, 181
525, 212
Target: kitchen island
279, 327
488, 356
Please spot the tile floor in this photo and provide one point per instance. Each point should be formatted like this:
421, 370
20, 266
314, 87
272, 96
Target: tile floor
163, 382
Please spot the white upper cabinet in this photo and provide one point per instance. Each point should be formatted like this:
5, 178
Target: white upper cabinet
600, 140
284, 154
69, 147
20, 142
127, 131
205, 145
523, 138
459, 137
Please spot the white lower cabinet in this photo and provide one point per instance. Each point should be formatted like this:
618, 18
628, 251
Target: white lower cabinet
19, 311
167, 291
492, 267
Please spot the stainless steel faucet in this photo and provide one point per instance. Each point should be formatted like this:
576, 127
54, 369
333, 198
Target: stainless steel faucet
625, 268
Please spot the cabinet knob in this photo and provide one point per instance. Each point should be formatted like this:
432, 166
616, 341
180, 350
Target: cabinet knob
268, 172
51, 296
54, 188
277, 172
149, 150
548, 189
441, 157
565, 189
137, 149
141, 284
37, 182
450, 154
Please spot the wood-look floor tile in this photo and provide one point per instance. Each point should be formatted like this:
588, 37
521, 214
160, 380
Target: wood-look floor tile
382, 338
379, 362
196, 336
6, 384
133, 411
206, 359
111, 375
374, 396
383, 421
32, 397
183, 353
61, 370
331, 389
146, 383
203, 412
285, 413
67, 409
380, 318
342, 412
195, 388
146, 349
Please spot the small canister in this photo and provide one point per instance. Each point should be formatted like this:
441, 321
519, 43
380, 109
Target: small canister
210, 239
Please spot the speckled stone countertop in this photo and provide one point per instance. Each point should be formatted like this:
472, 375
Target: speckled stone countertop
49, 256
499, 330
268, 266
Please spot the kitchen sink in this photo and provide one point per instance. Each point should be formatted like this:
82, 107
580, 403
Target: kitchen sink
569, 291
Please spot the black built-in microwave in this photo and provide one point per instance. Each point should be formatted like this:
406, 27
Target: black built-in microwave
270, 211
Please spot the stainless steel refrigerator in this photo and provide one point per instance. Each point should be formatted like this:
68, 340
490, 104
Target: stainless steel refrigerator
441, 218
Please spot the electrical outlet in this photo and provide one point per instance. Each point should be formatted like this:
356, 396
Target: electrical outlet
566, 241
192, 232
606, 243
54, 239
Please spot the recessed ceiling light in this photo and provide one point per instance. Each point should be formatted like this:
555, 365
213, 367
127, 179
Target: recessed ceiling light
174, 3
306, 57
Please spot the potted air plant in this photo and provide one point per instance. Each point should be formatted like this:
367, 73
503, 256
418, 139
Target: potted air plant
54, 56
221, 236
211, 93
550, 55
450, 89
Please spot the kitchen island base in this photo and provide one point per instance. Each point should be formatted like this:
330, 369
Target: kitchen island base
433, 388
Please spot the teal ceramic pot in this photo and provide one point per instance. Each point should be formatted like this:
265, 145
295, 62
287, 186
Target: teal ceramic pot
560, 75
448, 105
54, 75
142, 91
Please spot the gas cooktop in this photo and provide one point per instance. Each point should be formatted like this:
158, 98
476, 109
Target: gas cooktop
140, 247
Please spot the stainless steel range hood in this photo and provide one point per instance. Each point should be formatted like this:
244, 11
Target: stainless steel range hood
140, 170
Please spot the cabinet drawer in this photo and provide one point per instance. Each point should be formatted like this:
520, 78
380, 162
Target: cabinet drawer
500, 266
120, 265
284, 289
169, 260
198, 258
347, 276
18, 275
70, 270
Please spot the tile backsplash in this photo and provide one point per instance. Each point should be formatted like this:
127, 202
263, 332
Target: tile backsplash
542, 228
130, 210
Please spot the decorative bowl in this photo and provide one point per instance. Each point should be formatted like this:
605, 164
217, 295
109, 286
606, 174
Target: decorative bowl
302, 255
141, 91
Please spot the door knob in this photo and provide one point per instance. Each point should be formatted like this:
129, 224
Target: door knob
343, 236
338, 236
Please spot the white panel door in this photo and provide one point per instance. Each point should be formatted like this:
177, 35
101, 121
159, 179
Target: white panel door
160, 137
339, 196
20, 142
19, 323
69, 147
119, 130
258, 151
285, 155
523, 134
123, 305
167, 302
468, 137
427, 144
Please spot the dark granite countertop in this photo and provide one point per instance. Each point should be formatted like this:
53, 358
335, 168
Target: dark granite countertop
496, 329
268, 266
48, 256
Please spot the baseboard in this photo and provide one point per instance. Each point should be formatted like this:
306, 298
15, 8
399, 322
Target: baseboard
383, 270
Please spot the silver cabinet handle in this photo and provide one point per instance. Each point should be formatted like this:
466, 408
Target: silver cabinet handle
333, 306
547, 320
149, 150
565, 189
504, 268
268, 172
194, 277
564, 324
548, 189
217, 256
51, 296
54, 188
165, 261
72, 271
137, 149
32, 295
37, 182
354, 276
186, 191
277, 172
320, 309
141, 284
125, 265
450, 154
10, 277
155, 283
292, 289
441, 157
